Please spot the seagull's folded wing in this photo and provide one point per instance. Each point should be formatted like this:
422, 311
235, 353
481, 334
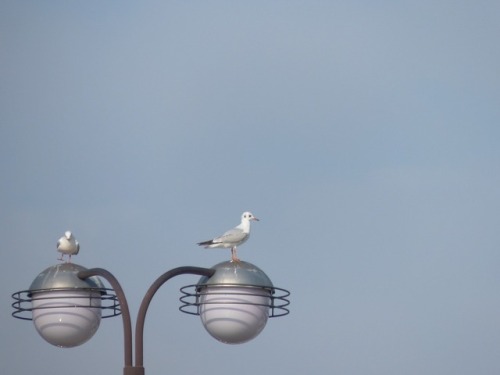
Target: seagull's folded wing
231, 236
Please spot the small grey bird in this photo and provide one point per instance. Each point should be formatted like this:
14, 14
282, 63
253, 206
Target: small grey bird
68, 245
233, 237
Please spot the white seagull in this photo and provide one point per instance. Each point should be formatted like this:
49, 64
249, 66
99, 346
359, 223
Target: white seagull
233, 237
68, 245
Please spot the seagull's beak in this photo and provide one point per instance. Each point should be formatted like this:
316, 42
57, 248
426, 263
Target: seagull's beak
255, 219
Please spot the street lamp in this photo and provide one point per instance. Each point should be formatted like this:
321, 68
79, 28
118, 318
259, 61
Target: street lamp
66, 309
235, 303
67, 301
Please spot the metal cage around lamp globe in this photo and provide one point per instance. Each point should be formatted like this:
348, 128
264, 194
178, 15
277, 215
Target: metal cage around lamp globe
235, 303
65, 310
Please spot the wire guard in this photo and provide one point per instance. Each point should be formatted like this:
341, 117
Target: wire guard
191, 298
23, 306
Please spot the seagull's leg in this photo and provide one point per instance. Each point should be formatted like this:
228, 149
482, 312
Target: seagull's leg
69, 260
234, 255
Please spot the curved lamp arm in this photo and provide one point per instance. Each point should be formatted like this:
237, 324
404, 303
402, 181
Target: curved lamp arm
138, 368
127, 322
143, 309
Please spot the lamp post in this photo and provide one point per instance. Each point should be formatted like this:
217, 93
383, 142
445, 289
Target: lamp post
67, 301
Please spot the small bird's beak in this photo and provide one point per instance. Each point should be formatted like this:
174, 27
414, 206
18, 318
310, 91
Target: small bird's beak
254, 218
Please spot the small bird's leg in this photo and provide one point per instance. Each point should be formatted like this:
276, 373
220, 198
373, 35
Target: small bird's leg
69, 260
234, 255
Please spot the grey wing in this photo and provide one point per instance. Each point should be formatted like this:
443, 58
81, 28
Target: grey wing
231, 236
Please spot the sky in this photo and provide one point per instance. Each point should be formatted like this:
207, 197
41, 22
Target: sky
364, 135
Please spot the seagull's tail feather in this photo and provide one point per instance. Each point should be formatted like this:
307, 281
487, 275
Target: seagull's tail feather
206, 243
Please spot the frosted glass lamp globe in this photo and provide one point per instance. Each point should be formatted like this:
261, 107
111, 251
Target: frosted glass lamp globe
235, 301
66, 309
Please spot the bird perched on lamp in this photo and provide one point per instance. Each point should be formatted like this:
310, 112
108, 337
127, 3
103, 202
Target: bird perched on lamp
233, 237
67, 245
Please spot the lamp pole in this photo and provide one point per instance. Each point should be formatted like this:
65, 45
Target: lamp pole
138, 368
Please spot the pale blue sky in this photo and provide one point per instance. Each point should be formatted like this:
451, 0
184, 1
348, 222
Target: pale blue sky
364, 135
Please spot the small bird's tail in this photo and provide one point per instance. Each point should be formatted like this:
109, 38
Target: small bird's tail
206, 243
